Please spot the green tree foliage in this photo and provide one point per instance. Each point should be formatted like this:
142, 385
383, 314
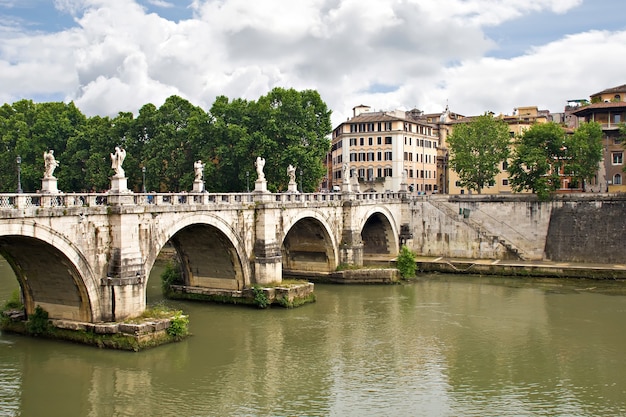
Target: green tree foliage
28, 130
406, 263
171, 136
477, 149
583, 153
232, 149
285, 127
538, 157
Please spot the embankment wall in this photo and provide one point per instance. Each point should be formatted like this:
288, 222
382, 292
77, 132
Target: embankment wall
569, 228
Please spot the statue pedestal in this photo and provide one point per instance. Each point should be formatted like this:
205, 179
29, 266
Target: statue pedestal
260, 186
49, 186
119, 185
345, 187
292, 187
198, 186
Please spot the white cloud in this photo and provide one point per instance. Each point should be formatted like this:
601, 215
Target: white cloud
427, 53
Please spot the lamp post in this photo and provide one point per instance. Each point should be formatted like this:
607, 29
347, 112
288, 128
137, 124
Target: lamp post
19, 174
247, 183
143, 184
301, 190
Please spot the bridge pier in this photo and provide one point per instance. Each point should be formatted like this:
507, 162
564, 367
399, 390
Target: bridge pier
268, 263
123, 292
351, 248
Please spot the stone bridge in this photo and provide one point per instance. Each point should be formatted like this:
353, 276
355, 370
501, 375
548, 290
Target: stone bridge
87, 257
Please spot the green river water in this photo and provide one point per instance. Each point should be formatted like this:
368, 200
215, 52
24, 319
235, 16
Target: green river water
441, 346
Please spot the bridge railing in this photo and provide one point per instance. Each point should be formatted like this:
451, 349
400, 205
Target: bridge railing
173, 199
317, 197
23, 201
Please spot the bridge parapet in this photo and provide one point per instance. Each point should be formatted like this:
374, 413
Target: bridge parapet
63, 200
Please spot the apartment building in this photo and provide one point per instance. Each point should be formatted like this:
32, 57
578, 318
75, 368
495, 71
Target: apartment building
608, 107
521, 119
385, 151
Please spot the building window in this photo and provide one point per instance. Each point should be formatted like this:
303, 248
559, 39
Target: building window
618, 158
387, 140
361, 141
370, 141
388, 156
617, 179
361, 172
379, 140
505, 165
505, 181
380, 157
388, 172
352, 141
617, 118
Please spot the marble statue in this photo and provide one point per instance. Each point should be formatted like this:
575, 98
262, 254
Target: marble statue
49, 164
260, 163
117, 159
291, 171
198, 168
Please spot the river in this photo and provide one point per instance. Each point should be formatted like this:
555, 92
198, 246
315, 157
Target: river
442, 346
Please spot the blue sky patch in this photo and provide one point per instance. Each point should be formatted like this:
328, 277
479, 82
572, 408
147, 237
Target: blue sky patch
35, 16
515, 37
377, 88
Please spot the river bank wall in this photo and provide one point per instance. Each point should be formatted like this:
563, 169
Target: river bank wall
579, 228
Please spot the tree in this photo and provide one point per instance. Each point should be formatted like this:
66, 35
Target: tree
171, 137
538, 158
28, 129
477, 149
406, 263
583, 153
284, 127
296, 124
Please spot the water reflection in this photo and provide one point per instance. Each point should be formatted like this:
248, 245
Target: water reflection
444, 346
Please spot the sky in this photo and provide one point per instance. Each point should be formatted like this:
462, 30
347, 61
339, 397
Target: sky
110, 56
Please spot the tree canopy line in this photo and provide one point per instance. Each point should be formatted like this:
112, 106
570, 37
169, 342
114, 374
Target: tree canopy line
284, 127
536, 159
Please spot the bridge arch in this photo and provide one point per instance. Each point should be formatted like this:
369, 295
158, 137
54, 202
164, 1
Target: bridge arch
308, 243
51, 272
211, 253
379, 233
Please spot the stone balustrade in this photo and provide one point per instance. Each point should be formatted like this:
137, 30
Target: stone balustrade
23, 201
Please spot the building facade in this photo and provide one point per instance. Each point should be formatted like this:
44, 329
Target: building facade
384, 151
608, 107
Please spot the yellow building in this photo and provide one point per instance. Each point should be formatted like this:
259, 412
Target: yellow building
520, 121
385, 151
